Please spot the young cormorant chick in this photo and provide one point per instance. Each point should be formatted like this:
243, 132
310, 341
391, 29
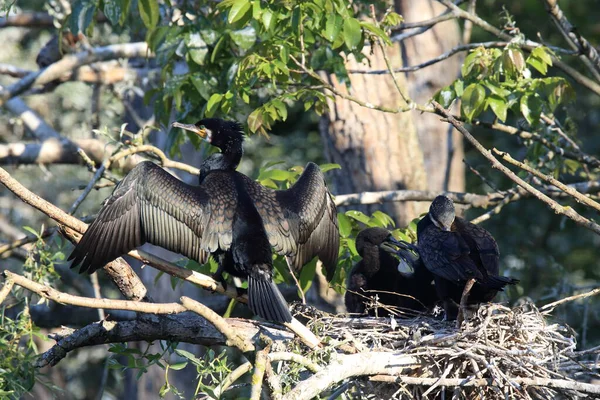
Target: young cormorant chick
456, 252
377, 274
229, 216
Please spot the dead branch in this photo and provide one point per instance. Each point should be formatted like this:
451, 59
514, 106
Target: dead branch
347, 366
233, 339
472, 199
186, 328
557, 208
29, 20
577, 42
50, 293
70, 63
260, 365
551, 180
551, 306
8, 284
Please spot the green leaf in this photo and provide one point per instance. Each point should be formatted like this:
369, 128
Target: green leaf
531, 108
82, 16
244, 38
113, 11
238, 10
255, 120
307, 274
469, 63
473, 101
543, 53
124, 11
328, 167
345, 225
538, 64
359, 216
333, 27
178, 366
380, 33
384, 219
352, 33
217, 48
445, 96
213, 104
189, 356
268, 19
149, 12
499, 106
275, 174
392, 19
197, 48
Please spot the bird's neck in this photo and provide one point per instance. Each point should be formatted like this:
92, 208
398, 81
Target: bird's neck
371, 260
232, 153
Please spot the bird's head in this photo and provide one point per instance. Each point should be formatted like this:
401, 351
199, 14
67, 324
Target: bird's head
441, 212
216, 131
379, 237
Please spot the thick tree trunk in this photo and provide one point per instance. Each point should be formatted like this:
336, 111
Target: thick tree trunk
441, 145
384, 151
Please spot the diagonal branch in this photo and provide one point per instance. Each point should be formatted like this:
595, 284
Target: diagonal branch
557, 208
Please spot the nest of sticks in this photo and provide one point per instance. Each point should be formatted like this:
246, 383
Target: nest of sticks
497, 353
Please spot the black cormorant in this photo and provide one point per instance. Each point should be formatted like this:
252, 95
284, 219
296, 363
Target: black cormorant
228, 215
377, 274
456, 252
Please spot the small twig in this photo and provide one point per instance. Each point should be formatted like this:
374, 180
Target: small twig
233, 339
232, 377
550, 306
463, 302
260, 364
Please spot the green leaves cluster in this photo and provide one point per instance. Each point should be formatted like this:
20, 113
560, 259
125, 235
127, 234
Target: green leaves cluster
501, 80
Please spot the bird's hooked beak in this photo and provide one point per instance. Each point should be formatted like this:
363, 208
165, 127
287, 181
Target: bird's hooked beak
388, 244
439, 224
201, 130
407, 257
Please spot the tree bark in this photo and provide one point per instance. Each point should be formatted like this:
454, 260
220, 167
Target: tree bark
438, 142
382, 151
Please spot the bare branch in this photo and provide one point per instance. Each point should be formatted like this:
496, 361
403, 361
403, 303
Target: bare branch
575, 40
472, 199
233, 339
8, 284
186, 327
348, 366
557, 208
551, 180
29, 20
65, 298
70, 63
260, 364
551, 306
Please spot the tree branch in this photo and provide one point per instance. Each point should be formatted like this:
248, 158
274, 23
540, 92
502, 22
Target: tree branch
557, 208
551, 180
472, 199
260, 365
70, 63
347, 366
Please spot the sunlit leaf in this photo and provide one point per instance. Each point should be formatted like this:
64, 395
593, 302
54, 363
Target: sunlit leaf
149, 12
473, 101
352, 33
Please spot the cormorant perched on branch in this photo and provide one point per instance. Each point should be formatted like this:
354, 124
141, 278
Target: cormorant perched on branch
458, 252
377, 274
229, 216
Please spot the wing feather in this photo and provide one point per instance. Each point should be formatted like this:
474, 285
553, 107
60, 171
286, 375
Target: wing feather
150, 205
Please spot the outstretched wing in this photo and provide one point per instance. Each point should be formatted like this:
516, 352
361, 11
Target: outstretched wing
481, 245
301, 222
150, 205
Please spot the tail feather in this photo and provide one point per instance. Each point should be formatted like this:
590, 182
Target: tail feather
498, 282
266, 301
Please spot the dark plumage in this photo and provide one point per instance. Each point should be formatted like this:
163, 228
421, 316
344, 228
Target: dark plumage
455, 251
228, 215
377, 274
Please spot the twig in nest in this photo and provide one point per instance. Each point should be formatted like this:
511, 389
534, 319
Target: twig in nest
462, 312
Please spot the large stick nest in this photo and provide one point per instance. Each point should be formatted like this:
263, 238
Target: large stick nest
494, 354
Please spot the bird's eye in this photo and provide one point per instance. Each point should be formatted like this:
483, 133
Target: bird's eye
202, 127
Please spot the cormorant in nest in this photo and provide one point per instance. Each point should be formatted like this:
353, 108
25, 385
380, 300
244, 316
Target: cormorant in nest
378, 274
460, 255
228, 215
